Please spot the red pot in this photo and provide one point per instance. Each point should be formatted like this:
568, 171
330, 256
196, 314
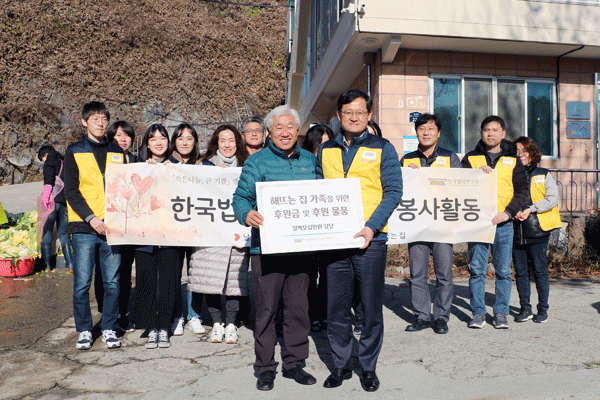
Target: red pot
22, 267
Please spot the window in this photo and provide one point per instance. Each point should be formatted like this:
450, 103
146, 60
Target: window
528, 106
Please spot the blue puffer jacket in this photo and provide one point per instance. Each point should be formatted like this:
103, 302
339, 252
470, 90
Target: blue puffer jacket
269, 165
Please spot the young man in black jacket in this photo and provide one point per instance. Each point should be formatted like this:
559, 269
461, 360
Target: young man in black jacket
494, 152
85, 167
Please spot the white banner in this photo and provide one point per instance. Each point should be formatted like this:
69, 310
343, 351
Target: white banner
310, 215
174, 204
445, 205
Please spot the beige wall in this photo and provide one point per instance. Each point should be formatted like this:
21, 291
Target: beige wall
541, 22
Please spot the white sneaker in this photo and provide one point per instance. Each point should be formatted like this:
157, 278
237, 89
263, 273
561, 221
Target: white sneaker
218, 332
163, 338
85, 341
152, 341
178, 327
231, 336
195, 325
110, 339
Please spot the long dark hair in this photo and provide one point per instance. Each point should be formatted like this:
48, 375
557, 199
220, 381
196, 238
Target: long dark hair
145, 153
213, 145
314, 136
195, 154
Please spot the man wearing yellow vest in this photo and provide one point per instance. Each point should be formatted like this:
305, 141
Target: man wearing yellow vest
356, 153
494, 152
429, 154
85, 166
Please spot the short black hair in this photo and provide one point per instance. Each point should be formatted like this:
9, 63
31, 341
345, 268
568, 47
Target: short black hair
351, 95
314, 137
425, 118
94, 107
493, 118
114, 127
43, 151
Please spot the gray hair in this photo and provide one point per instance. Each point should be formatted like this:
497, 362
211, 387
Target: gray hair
248, 120
279, 112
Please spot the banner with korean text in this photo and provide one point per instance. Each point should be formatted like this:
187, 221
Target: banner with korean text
173, 204
310, 215
445, 205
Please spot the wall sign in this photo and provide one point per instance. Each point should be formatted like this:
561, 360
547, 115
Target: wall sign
578, 110
413, 116
579, 130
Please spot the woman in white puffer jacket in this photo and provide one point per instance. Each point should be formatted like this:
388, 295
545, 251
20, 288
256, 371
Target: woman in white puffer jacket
217, 271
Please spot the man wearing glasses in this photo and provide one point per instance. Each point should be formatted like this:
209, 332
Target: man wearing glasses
355, 153
253, 130
429, 154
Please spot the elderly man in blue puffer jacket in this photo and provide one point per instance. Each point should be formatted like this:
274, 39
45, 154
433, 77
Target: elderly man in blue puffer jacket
277, 275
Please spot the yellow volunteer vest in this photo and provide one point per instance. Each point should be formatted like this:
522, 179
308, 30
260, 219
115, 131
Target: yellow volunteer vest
366, 166
548, 219
91, 182
504, 168
440, 162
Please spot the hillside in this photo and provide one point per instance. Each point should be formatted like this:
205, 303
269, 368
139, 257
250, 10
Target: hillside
160, 60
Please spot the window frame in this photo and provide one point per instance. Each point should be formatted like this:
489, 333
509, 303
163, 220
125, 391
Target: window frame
494, 82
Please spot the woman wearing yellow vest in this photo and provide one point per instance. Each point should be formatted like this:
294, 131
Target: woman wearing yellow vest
532, 231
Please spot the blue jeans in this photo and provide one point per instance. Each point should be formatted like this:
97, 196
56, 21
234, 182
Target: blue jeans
60, 218
532, 256
191, 313
85, 246
501, 254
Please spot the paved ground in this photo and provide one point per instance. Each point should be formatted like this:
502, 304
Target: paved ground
555, 360
20, 198
559, 359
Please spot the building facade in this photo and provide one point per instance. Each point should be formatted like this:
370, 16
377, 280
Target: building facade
533, 63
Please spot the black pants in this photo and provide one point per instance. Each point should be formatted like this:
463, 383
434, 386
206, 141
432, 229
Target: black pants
276, 276
317, 289
215, 308
159, 268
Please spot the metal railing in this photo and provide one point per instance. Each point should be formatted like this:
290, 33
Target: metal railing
577, 190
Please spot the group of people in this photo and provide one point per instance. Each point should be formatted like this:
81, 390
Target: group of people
347, 278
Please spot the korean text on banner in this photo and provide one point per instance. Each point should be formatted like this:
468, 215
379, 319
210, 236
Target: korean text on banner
445, 205
310, 215
172, 205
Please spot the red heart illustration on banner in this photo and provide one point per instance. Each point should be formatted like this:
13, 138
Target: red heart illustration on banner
141, 186
155, 204
237, 237
112, 208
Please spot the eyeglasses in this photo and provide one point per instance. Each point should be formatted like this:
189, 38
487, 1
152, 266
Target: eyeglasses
249, 131
522, 152
355, 114
423, 129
